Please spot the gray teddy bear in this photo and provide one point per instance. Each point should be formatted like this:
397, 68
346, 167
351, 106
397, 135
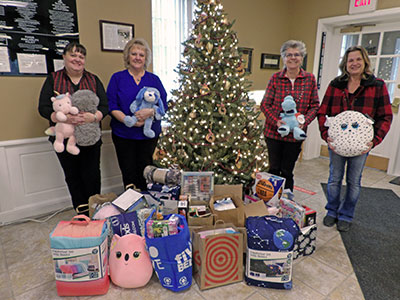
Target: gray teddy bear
87, 101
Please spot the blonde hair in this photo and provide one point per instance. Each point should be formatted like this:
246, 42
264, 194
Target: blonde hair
140, 43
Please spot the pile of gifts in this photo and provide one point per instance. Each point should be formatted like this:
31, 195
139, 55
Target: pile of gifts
183, 225
270, 189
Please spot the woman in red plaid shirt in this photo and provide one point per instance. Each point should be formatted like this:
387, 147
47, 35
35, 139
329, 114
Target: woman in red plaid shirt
292, 80
355, 89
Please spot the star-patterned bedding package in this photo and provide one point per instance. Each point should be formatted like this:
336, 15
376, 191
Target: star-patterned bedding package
270, 244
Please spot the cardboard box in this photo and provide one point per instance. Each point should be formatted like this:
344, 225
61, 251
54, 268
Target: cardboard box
217, 257
234, 216
310, 217
200, 221
268, 187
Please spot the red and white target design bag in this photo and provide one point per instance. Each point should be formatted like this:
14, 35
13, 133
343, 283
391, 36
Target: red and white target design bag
217, 255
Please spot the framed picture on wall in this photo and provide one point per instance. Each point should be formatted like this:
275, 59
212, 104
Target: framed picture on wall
114, 35
270, 61
246, 54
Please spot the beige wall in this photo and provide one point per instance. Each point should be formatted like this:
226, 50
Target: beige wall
260, 24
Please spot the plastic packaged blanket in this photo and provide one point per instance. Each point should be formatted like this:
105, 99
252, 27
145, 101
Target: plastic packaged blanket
79, 250
270, 243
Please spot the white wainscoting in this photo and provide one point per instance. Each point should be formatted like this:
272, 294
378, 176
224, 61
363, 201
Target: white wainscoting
32, 181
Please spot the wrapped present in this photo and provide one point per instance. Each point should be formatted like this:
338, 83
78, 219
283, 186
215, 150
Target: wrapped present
306, 242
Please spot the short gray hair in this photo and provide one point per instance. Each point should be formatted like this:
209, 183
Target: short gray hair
299, 45
141, 43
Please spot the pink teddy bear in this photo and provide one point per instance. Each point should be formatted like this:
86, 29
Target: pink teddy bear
62, 106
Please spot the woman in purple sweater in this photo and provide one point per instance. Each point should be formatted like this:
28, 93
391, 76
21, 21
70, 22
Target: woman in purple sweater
134, 150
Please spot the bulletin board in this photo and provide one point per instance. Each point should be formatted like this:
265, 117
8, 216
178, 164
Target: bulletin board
33, 34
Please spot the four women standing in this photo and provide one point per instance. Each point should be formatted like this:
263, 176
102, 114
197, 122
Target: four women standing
355, 89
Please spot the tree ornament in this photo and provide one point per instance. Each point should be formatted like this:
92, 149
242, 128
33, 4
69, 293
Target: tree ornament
238, 161
227, 85
210, 137
245, 132
209, 47
192, 114
198, 42
203, 17
225, 21
222, 109
204, 90
240, 69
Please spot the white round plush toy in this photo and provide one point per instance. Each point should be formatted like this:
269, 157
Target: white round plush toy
350, 131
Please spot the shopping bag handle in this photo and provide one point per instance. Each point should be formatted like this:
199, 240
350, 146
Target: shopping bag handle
78, 220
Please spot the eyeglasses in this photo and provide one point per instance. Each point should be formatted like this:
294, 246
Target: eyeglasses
288, 55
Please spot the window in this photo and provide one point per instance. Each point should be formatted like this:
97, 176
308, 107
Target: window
171, 21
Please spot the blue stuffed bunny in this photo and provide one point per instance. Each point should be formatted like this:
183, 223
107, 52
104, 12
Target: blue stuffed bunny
147, 97
292, 119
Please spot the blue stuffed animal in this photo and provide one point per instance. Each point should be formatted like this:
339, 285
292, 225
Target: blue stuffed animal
292, 119
147, 97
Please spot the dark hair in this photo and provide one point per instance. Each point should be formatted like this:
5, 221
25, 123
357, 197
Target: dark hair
364, 54
75, 47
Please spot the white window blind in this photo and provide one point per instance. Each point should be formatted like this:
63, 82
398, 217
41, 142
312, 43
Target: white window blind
171, 20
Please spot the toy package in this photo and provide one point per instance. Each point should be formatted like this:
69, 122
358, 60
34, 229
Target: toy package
131, 222
79, 250
171, 255
269, 188
270, 244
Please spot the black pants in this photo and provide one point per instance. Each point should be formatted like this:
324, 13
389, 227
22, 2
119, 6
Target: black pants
82, 173
133, 156
282, 158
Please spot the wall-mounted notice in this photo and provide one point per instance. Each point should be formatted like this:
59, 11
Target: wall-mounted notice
33, 34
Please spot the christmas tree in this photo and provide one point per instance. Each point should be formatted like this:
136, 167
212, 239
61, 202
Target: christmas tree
212, 122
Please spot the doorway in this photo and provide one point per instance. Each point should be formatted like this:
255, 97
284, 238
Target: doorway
379, 33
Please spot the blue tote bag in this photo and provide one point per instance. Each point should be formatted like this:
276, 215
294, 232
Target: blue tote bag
172, 256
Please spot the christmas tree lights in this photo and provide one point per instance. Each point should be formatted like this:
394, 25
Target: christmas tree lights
213, 124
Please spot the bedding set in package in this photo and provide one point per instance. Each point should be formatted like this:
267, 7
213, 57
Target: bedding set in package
79, 250
270, 243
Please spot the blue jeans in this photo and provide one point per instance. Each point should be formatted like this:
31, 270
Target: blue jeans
343, 209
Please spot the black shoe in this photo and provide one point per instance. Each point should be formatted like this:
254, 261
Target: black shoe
343, 226
329, 221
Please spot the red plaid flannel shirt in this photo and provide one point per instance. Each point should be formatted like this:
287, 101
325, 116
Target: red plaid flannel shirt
371, 99
304, 91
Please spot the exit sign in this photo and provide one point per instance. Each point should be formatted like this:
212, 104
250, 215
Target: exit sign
362, 6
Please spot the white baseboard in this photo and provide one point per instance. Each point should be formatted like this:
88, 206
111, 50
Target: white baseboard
32, 181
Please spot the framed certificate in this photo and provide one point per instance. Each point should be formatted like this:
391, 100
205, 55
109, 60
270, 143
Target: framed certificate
114, 36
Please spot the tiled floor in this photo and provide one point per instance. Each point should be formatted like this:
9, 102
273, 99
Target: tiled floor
26, 270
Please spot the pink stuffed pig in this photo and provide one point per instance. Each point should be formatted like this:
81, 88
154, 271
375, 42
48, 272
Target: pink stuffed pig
130, 265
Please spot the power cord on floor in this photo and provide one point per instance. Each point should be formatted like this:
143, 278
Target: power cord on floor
36, 220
